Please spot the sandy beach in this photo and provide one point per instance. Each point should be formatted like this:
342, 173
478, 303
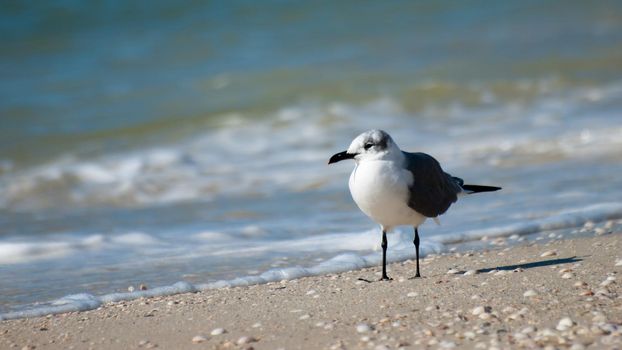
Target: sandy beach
156, 159
561, 294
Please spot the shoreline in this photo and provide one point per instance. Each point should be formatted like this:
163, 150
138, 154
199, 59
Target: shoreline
564, 293
596, 219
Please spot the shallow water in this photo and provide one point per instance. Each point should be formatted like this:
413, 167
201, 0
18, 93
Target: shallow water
190, 142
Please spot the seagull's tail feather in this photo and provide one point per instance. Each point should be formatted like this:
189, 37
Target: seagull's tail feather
477, 188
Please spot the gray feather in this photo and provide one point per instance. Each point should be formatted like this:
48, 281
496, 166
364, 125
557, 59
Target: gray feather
433, 190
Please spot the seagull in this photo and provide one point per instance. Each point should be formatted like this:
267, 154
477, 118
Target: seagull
396, 188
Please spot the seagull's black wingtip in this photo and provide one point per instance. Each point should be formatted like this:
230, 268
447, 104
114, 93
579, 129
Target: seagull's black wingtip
479, 188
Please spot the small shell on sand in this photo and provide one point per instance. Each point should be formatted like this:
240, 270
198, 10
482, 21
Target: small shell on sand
447, 344
530, 293
599, 317
198, 339
218, 331
469, 335
564, 324
453, 272
412, 294
548, 253
485, 316
619, 262
508, 309
477, 310
245, 340
528, 330
603, 292
481, 310
363, 327
567, 275
606, 282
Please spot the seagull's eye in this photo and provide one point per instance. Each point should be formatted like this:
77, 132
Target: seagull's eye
368, 145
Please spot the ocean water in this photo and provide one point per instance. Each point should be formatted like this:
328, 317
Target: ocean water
189, 142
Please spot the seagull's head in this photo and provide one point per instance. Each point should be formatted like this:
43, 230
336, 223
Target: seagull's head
370, 145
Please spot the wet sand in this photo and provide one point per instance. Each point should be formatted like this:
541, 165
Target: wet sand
561, 294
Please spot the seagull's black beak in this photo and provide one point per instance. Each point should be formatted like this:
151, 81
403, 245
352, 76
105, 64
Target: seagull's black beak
340, 156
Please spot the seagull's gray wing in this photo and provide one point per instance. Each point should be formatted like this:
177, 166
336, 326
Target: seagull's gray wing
432, 190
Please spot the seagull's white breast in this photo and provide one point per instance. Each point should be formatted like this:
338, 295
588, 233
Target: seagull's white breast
380, 188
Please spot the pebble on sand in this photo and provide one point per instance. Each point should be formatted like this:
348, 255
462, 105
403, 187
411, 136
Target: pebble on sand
470, 273
453, 272
481, 310
447, 344
469, 335
548, 253
528, 330
530, 293
245, 340
564, 324
198, 339
606, 282
218, 331
363, 327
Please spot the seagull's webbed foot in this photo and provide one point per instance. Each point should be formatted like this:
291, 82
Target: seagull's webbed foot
385, 278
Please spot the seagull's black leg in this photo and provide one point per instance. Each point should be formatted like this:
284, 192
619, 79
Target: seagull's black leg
384, 256
416, 241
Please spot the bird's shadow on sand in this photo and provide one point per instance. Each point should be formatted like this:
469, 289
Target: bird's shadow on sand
523, 266
531, 265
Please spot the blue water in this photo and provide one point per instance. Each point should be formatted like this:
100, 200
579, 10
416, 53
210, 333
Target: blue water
166, 142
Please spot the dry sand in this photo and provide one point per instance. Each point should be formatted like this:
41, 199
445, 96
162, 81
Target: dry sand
562, 294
